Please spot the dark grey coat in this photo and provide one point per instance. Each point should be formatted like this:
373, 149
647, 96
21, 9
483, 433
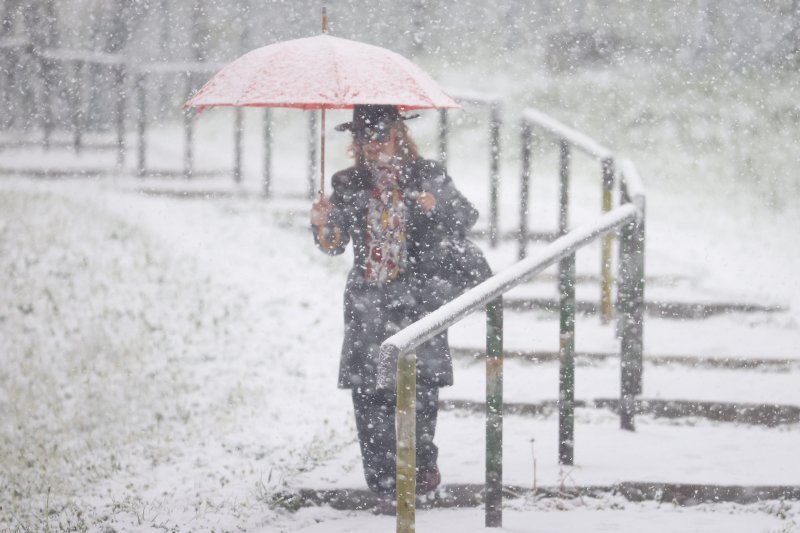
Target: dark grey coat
442, 263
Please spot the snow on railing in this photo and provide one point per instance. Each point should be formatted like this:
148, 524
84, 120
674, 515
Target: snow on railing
572, 136
398, 358
567, 138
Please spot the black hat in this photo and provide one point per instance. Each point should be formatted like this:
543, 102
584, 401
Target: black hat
373, 122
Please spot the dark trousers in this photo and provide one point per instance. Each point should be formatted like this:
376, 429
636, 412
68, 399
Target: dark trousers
375, 422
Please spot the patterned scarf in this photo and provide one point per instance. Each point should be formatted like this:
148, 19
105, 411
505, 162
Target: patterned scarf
386, 227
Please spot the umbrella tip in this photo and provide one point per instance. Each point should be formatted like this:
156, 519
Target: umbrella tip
324, 19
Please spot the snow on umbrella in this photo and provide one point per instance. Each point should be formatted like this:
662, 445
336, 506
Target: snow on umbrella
321, 72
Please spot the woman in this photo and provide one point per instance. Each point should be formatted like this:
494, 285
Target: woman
408, 225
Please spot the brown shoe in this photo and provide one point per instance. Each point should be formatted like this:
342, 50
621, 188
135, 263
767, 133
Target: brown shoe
385, 506
428, 480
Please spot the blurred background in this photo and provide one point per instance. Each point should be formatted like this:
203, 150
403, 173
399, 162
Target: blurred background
703, 93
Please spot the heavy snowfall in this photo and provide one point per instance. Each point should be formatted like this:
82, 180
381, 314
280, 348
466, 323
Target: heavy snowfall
170, 334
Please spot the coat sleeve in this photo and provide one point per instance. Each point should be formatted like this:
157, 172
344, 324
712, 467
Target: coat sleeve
453, 212
332, 238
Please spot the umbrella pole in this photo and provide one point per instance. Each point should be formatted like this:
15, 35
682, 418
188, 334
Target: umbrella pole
322, 127
322, 157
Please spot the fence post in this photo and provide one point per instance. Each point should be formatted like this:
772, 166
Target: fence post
443, 137
606, 304
525, 178
638, 296
77, 102
119, 89
312, 153
406, 420
267, 151
631, 309
142, 125
563, 197
188, 132
566, 378
494, 172
47, 95
494, 413
238, 126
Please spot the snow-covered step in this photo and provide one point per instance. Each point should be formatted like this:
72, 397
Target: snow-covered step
525, 383
656, 309
659, 451
767, 364
769, 415
735, 336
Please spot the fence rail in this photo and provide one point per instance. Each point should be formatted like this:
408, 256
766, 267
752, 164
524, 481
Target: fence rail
567, 138
397, 363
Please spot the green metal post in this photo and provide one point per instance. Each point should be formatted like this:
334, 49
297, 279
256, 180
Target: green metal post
626, 318
525, 179
563, 211
631, 309
606, 304
494, 413
406, 420
494, 173
566, 381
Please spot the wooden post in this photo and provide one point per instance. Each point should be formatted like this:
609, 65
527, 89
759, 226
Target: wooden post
267, 151
566, 380
525, 178
494, 413
406, 420
494, 172
443, 137
606, 304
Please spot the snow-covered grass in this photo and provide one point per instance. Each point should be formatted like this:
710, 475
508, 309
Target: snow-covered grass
144, 383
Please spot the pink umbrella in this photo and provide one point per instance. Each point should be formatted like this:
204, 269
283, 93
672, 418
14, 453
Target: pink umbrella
321, 72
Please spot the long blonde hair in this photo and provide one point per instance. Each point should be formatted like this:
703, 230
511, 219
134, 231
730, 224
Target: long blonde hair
404, 146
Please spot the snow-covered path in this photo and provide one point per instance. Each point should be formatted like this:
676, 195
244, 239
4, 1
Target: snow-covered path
170, 363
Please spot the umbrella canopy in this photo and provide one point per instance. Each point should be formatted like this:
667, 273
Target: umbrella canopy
321, 72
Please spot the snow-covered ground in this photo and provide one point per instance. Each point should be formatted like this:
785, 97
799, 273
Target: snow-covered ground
169, 362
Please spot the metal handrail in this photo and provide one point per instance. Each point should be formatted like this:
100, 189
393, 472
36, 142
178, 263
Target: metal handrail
567, 138
480, 295
398, 355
